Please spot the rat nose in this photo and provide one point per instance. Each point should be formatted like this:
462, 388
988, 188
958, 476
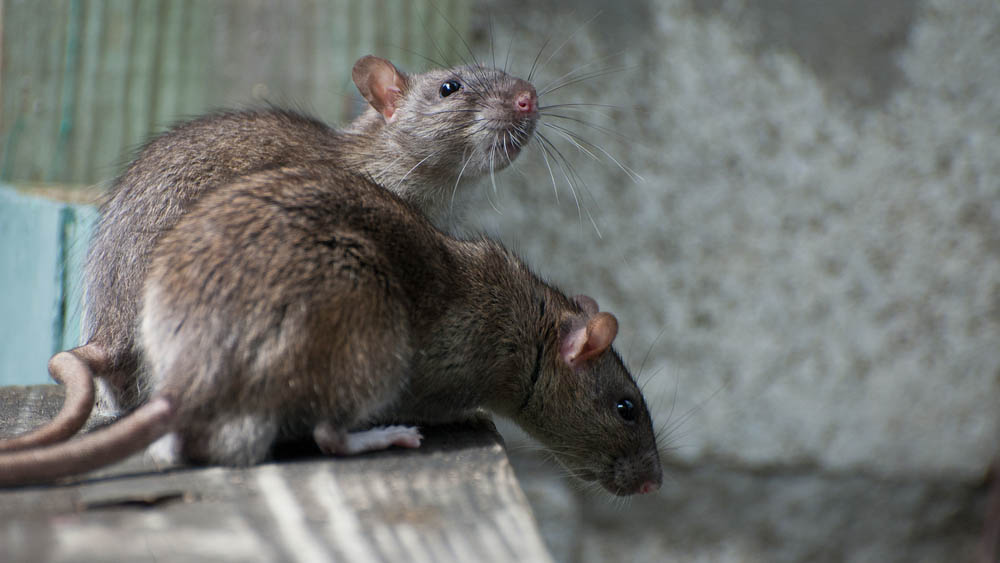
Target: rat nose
648, 487
526, 100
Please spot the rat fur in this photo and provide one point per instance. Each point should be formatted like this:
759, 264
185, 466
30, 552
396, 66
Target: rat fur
421, 135
309, 301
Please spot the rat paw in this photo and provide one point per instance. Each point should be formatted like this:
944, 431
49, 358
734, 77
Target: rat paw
380, 438
166, 451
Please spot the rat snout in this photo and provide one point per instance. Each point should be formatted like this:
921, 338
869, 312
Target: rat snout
525, 98
648, 483
640, 474
650, 486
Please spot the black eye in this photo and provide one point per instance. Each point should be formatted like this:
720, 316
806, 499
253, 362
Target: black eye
626, 410
450, 87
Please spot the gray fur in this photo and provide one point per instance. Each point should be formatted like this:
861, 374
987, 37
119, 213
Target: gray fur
307, 296
420, 155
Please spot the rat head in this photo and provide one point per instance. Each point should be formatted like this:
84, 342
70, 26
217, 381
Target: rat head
589, 410
459, 122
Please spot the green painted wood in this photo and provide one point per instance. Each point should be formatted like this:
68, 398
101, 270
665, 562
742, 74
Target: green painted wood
86, 81
78, 224
43, 244
31, 274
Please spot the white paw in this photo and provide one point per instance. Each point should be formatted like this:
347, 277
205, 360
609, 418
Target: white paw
329, 439
378, 438
166, 451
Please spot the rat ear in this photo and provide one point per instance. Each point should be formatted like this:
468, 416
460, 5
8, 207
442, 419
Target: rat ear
586, 303
381, 83
584, 343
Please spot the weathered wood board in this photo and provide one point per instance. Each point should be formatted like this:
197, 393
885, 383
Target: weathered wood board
84, 82
454, 499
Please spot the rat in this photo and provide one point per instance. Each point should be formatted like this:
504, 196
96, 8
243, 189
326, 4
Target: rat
420, 136
310, 302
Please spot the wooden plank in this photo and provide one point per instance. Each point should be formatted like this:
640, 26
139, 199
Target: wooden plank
85, 81
454, 499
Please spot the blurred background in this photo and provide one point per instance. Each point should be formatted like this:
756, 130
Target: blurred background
802, 244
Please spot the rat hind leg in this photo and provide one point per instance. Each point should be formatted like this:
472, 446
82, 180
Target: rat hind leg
238, 439
334, 442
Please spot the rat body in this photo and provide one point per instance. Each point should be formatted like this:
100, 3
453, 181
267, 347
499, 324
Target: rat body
421, 136
310, 301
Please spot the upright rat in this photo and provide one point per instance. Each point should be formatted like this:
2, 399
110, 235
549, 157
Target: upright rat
309, 301
420, 136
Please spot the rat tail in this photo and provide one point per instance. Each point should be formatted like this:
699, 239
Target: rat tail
74, 370
90, 451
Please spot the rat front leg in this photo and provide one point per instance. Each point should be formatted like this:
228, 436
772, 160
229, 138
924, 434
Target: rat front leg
337, 442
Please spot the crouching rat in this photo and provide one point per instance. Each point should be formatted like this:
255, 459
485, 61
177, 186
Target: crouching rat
420, 136
309, 301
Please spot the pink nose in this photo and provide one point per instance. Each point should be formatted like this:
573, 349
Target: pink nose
526, 102
648, 487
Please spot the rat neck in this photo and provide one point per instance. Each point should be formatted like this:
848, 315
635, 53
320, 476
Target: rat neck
415, 169
490, 339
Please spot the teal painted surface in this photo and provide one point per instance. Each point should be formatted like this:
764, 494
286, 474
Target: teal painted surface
79, 221
42, 246
84, 82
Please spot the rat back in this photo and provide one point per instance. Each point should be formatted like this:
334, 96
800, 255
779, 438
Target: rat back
281, 302
420, 136
159, 186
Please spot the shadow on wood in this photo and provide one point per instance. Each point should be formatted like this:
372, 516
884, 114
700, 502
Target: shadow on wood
454, 499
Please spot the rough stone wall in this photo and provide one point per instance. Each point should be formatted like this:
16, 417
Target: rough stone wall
811, 264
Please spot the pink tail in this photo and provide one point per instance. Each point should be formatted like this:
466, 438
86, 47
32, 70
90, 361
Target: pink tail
90, 451
74, 370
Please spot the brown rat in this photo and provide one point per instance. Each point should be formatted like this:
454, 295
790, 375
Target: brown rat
421, 136
308, 301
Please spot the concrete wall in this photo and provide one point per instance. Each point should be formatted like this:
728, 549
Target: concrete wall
812, 264
808, 276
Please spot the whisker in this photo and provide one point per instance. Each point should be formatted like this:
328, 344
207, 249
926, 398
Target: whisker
549, 167
451, 206
377, 178
563, 164
562, 132
669, 429
419, 55
565, 175
493, 53
457, 34
649, 350
569, 80
506, 61
534, 63
568, 39
579, 141
586, 109
424, 159
585, 123
493, 181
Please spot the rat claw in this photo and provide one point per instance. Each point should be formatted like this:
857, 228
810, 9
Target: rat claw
379, 438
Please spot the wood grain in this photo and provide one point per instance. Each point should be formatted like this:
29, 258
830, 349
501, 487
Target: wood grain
454, 499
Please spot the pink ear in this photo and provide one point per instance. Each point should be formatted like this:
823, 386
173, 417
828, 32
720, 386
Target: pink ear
381, 83
586, 303
584, 343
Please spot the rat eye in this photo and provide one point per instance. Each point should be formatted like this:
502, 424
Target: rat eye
450, 87
626, 410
